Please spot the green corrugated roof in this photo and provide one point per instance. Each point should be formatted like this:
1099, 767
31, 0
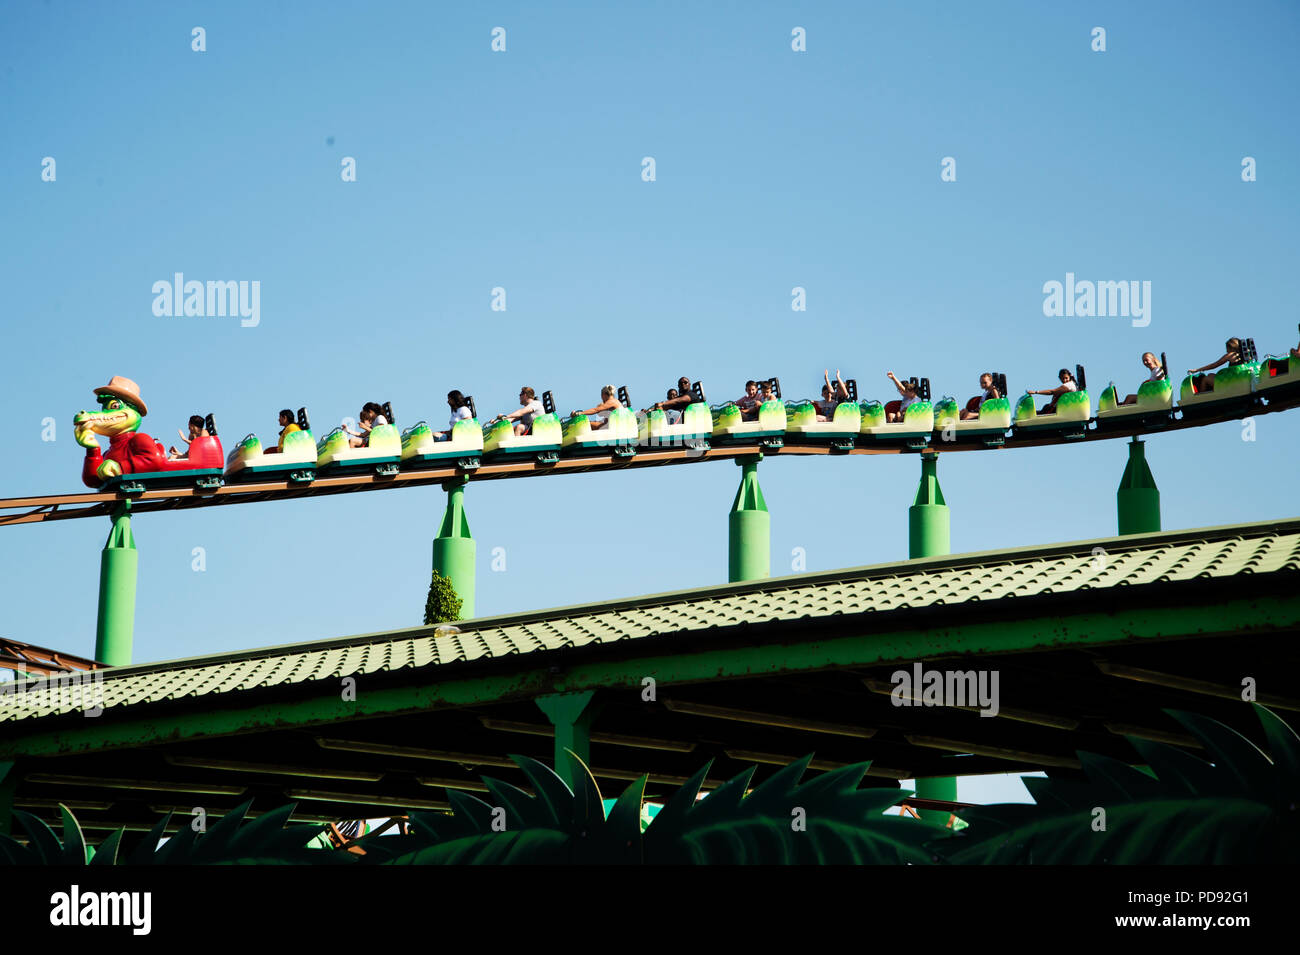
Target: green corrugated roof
1261, 548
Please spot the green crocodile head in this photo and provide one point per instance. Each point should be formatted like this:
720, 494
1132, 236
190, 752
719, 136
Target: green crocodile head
1025, 408
117, 416
873, 414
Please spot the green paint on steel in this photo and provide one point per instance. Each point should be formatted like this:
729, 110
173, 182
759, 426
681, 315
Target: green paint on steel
119, 567
1150, 622
749, 528
571, 714
928, 519
1138, 497
9, 777
454, 549
929, 535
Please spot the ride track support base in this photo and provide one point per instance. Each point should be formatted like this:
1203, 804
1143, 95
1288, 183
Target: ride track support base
119, 566
454, 549
1138, 498
749, 528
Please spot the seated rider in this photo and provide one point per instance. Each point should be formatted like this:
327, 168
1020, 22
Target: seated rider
987, 390
674, 408
908, 390
196, 431
529, 408
1067, 384
831, 396
371, 417
768, 392
748, 403
287, 426
598, 416
460, 411
1152, 364
1232, 356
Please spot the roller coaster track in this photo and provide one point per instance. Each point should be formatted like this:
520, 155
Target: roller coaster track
59, 507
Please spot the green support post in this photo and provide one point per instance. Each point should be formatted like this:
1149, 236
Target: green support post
571, 715
929, 535
8, 786
454, 548
1138, 497
928, 519
749, 528
119, 567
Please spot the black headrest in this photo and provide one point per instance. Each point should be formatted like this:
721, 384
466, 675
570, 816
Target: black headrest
697, 393
302, 419
473, 412
776, 385
1080, 377
623, 398
387, 409
1251, 354
548, 402
1000, 380
851, 386
210, 425
922, 387
1164, 365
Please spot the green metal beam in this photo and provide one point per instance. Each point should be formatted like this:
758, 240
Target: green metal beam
454, 549
119, 566
676, 663
1138, 498
749, 528
571, 714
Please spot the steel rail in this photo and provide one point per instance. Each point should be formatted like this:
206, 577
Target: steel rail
58, 507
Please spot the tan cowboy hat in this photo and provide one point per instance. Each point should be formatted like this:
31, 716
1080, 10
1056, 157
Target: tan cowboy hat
126, 389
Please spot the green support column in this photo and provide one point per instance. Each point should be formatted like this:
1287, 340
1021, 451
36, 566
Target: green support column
8, 786
119, 567
1138, 497
749, 528
928, 519
571, 715
454, 548
928, 535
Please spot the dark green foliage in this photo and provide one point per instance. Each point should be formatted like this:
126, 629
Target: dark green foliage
265, 841
826, 820
1239, 807
443, 604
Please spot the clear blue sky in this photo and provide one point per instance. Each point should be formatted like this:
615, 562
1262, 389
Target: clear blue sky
522, 169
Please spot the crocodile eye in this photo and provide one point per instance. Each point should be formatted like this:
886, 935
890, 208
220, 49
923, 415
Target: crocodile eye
113, 406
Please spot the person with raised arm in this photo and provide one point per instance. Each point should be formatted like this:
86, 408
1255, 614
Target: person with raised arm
831, 395
908, 391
